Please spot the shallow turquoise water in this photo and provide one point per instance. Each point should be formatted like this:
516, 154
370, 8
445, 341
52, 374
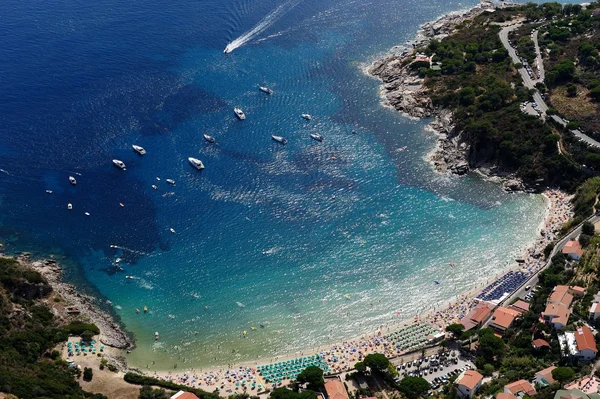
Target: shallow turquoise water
359, 216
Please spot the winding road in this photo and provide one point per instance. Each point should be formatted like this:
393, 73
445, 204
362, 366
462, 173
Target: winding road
530, 83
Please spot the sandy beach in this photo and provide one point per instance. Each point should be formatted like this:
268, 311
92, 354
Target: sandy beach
341, 357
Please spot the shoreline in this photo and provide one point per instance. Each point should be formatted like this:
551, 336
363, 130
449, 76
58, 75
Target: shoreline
346, 353
405, 92
111, 333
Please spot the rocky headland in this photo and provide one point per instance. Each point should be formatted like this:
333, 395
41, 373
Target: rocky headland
404, 90
111, 333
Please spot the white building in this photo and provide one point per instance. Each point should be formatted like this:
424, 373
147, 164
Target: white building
578, 345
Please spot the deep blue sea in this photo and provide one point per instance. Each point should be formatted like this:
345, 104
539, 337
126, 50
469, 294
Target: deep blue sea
316, 241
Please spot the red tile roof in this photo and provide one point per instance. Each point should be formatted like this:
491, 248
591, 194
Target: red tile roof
547, 374
184, 395
520, 305
561, 294
335, 389
520, 386
470, 379
573, 247
585, 339
504, 317
505, 395
540, 343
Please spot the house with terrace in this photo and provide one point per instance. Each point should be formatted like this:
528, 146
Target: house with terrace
579, 345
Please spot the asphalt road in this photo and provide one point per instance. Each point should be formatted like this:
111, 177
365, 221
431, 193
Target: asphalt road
530, 83
533, 281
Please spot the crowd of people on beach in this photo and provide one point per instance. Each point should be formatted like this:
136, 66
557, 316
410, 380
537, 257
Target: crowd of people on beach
342, 357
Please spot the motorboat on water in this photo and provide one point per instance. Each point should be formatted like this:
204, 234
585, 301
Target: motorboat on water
119, 164
317, 137
122, 205
155, 187
69, 206
129, 277
307, 116
265, 90
156, 336
49, 191
72, 180
87, 214
196, 163
239, 113
172, 230
279, 139
145, 309
138, 149
170, 181
210, 139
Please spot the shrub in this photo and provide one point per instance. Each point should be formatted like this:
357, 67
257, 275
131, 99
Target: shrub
88, 374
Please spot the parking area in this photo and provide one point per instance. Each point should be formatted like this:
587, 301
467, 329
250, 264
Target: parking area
436, 369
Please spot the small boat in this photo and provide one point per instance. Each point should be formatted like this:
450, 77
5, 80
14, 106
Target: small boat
72, 180
279, 139
129, 277
138, 149
154, 187
437, 282
69, 206
261, 325
210, 139
172, 230
253, 328
196, 163
87, 214
239, 113
145, 309
156, 335
48, 191
122, 205
157, 178
354, 132
137, 310
171, 316
317, 137
195, 296
171, 181
119, 164
307, 116
265, 90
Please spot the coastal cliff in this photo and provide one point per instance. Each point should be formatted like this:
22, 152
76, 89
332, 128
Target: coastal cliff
111, 333
405, 91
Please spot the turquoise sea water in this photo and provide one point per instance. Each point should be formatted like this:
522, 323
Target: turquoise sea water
316, 241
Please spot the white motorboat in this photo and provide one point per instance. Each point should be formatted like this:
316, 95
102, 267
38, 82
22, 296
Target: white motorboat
119, 164
69, 206
196, 163
265, 90
239, 113
172, 230
210, 139
87, 214
170, 181
49, 191
279, 139
155, 187
72, 180
307, 116
317, 137
138, 149
129, 277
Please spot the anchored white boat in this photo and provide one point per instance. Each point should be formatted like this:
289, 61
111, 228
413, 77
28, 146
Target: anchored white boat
72, 180
196, 163
210, 139
265, 90
155, 187
279, 139
172, 230
239, 113
170, 181
138, 149
307, 116
317, 137
69, 206
119, 164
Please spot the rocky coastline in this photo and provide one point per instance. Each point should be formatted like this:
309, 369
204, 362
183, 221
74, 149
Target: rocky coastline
111, 333
404, 91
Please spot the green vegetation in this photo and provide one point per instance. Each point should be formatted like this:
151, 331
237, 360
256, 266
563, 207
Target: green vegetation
313, 376
563, 374
148, 393
88, 374
455, 329
413, 387
377, 362
479, 83
585, 198
139, 379
284, 393
28, 366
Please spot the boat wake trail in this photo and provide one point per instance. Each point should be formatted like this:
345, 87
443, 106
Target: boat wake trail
264, 23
